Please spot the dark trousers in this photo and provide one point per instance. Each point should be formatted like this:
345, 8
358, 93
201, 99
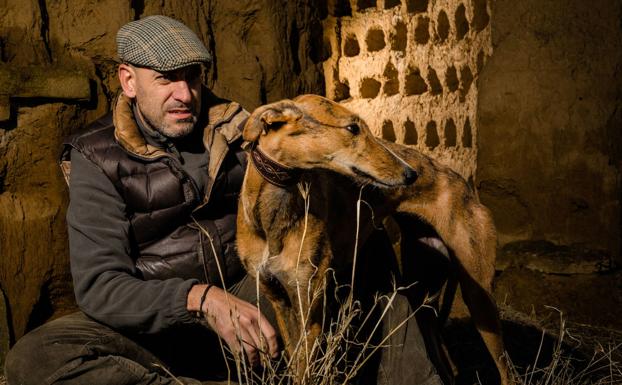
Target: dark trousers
76, 349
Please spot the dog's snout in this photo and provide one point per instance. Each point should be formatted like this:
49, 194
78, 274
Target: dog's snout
410, 175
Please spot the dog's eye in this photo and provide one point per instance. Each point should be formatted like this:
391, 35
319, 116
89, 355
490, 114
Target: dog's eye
354, 129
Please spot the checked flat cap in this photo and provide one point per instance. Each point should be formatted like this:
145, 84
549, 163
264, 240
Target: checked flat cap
160, 43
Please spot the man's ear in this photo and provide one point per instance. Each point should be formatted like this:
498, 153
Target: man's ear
127, 78
270, 116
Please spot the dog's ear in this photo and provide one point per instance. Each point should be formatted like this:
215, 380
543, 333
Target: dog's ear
268, 117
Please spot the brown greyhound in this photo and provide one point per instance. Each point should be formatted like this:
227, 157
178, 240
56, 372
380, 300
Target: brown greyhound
289, 235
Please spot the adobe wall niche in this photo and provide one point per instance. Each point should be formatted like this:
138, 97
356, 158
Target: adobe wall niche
408, 68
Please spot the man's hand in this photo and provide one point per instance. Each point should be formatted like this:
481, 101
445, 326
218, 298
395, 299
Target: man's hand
236, 321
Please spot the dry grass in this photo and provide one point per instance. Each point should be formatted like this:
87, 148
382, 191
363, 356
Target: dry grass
577, 358
340, 353
571, 361
336, 357
574, 363
330, 361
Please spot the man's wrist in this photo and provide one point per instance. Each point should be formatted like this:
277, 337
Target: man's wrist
193, 303
203, 296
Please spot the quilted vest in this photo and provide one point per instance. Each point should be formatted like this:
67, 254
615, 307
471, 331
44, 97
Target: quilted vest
175, 230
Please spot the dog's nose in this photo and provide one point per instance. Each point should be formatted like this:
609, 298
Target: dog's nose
410, 175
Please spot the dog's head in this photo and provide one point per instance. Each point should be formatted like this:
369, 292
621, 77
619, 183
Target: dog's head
314, 132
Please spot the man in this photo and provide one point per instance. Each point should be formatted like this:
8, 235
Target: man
153, 198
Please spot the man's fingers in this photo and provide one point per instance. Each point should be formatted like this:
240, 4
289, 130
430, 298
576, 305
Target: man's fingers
266, 337
246, 333
269, 335
240, 323
254, 333
232, 343
250, 347
248, 324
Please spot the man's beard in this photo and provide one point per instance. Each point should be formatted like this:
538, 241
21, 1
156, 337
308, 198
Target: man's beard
182, 128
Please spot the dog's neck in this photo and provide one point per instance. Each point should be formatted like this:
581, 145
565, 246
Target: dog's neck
272, 171
270, 203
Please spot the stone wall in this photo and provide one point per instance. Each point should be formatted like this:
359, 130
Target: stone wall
409, 68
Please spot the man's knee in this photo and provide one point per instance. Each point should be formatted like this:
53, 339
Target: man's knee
39, 354
400, 322
399, 306
24, 363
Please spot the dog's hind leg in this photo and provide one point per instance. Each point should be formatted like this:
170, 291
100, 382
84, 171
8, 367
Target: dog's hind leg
475, 274
482, 307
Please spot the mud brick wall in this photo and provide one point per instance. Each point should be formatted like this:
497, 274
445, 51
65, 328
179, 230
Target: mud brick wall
409, 68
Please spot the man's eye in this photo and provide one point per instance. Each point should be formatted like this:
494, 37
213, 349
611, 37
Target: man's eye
354, 129
163, 78
194, 73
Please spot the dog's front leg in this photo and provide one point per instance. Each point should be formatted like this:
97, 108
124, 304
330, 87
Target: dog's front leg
298, 331
298, 304
281, 301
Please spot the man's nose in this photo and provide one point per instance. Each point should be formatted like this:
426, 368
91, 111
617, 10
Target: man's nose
182, 91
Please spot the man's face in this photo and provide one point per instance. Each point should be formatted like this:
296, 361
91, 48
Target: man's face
169, 101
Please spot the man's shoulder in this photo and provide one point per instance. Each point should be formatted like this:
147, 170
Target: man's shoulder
98, 135
101, 127
225, 116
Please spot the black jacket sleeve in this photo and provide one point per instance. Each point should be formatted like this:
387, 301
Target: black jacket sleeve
106, 282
